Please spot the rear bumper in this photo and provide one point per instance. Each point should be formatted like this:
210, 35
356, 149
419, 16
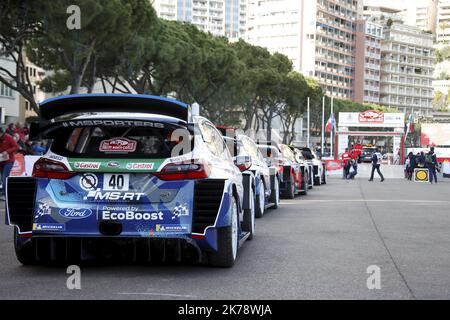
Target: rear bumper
85, 249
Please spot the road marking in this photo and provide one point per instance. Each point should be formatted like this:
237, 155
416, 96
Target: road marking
159, 294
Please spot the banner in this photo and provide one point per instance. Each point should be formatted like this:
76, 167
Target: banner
18, 168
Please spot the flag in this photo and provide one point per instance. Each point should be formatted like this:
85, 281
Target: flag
331, 124
410, 125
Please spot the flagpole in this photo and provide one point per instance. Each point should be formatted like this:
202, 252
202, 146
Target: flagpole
308, 124
323, 125
332, 129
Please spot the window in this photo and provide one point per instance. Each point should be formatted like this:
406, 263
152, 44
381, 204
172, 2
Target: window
214, 141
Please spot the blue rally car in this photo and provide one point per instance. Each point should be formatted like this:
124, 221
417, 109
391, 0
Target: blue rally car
129, 177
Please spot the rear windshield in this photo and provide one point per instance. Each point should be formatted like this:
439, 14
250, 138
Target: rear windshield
269, 152
118, 142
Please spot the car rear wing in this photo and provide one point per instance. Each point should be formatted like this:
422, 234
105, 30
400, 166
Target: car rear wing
54, 111
133, 103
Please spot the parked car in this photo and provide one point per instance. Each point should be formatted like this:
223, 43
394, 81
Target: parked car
367, 153
128, 176
292, 180
307, 170
319, 168
266, 186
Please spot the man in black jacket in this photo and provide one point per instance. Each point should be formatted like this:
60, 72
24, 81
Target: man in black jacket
376, 166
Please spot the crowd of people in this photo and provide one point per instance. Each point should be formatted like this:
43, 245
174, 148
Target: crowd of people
350, 164
13, 140
422, 160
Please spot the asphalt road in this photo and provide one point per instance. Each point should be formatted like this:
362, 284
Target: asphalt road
314, 247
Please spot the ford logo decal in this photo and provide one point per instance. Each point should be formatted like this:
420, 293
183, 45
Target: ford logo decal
113, 164
71, 213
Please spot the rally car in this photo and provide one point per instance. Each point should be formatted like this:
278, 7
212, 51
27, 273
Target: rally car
292, 178
130, 177
307, 170
319, 169
266, 181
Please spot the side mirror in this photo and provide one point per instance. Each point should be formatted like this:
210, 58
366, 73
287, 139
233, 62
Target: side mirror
243, 162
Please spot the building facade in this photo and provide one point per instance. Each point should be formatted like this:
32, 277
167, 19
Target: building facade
407, 65
9, 99
443, 22
368, 62
220, 17
319, 36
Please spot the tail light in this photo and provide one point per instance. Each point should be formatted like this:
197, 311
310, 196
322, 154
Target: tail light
185, 170
46, 168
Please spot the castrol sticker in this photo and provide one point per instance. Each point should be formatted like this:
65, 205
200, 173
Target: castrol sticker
118, 145
140, 166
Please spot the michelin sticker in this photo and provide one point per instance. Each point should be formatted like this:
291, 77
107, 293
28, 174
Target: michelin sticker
171, 228
48, 227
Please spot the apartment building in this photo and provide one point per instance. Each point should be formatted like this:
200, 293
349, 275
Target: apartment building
407, 65
220, 17
9, 99
443, 23
368, 62
319, 36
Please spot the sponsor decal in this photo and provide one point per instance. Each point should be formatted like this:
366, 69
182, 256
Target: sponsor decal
140, 166
44, 210
171, 228
113, 164
88, 182
114, 195
56, 157
131, 215
118, 145
112, 123
180, 211
73, 213
372, 116
48, 227
87, 165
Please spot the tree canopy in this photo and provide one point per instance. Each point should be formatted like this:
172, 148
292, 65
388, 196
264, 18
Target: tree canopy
122, 45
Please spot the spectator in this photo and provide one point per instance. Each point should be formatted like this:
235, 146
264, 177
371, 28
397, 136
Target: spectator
38, 149
376, 159
8, 148
353, 169
345, 158
431, 164
410, 165
11, 129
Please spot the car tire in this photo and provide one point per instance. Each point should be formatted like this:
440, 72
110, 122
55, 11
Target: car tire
248, 225
260, 201
290, 193
275, 195
317, 181
310, 180
25, 254
227, 241
304, 186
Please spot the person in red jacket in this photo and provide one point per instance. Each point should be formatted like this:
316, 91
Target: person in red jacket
8, 147
345, 158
